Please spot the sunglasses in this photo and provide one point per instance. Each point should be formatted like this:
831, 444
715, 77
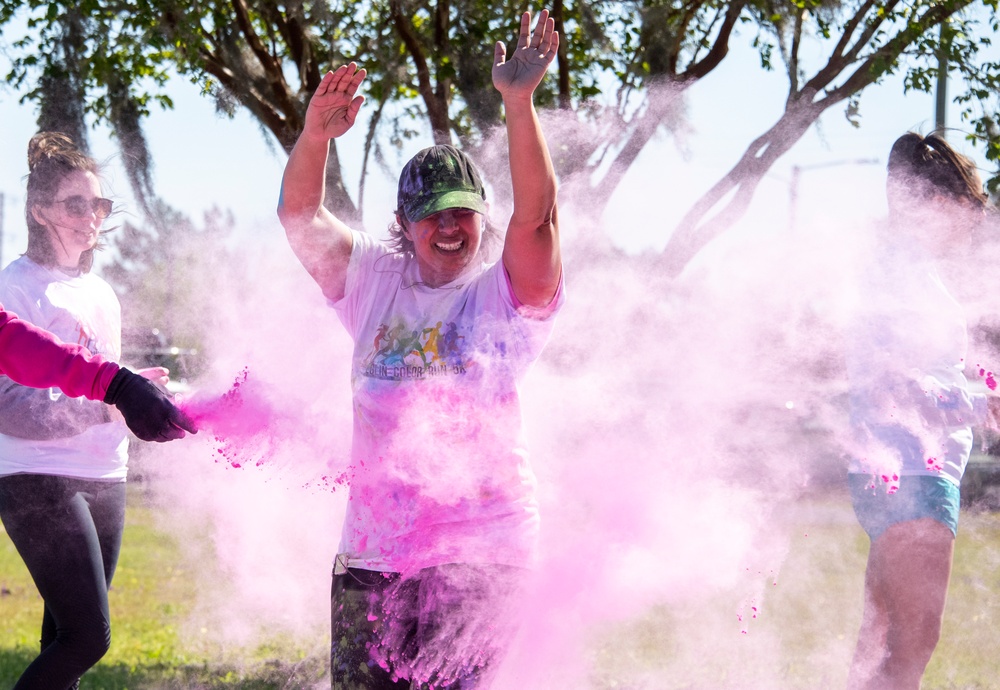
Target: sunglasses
78, 206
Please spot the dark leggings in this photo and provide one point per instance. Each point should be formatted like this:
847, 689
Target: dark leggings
69, 532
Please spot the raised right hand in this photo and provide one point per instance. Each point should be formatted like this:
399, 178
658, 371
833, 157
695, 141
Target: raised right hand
334, 106
523, 72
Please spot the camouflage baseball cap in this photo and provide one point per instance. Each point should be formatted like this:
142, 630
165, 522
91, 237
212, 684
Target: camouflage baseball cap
439, 178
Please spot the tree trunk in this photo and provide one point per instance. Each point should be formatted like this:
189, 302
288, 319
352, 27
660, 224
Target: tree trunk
694, 231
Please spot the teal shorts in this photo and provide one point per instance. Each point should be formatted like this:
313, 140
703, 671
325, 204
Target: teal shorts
917, 497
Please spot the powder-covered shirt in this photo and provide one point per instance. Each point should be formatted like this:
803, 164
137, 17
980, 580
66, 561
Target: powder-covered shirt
911, 405
46, 431
440, 470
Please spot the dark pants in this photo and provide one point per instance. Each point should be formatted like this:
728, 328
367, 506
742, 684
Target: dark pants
68, 532
444, 627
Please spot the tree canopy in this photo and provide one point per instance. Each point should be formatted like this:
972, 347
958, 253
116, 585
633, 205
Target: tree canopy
622, 71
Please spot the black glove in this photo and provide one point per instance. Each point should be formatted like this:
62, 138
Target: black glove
147, 410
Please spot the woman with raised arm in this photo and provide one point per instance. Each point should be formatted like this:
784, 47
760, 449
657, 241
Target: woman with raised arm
442, 519
63, 453
912, 408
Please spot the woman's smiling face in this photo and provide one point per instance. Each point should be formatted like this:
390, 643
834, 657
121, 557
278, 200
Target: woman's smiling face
72, 234
445, 243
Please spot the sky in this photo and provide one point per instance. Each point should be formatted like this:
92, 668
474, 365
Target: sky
203, 159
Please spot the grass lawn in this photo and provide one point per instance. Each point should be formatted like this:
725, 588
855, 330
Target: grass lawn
802, 637
152, 643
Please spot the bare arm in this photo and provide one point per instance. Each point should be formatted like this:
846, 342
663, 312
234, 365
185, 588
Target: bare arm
531, 250
320, 240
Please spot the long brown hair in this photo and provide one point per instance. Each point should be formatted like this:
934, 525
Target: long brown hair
928, 165
51, 157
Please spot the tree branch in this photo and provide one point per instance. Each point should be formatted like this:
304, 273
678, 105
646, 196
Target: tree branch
271, 66
562, 60
793, 54
437, 112
272, 119
662, 99
692, 234
802, 110
889, 53
839, 58
719, 49
688, 15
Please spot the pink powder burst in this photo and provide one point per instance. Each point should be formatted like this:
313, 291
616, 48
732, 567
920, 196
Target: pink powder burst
218, 413
241, 420
329, 482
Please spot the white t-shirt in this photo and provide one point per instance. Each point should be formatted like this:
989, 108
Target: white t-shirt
80, 310
440, 470
911, 404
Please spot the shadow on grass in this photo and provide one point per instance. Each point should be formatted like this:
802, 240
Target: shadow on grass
267, 675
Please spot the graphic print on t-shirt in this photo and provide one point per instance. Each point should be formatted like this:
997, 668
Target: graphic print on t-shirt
83, 317
407, 351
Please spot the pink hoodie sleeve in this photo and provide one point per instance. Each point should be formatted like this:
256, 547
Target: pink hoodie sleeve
34, 357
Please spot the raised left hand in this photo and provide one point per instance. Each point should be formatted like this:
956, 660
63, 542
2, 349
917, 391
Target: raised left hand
523, 72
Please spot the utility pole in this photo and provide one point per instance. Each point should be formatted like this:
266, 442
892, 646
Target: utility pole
941, 106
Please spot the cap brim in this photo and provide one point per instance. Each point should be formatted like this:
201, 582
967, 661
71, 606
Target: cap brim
444, 201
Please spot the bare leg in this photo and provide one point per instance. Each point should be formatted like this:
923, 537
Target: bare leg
906, 583
871, 647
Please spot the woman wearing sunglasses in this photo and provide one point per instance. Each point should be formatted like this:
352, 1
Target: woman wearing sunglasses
63, 458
